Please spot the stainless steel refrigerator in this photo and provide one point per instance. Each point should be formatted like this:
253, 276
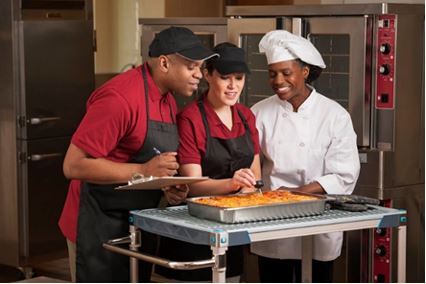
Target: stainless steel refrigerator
46, 76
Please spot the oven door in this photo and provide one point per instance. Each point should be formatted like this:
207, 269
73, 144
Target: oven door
345, 44
247, 34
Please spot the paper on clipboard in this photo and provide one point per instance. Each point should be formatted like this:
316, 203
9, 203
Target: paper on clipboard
159, 182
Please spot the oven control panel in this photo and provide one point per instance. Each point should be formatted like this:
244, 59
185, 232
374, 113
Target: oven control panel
382, 240
385, 54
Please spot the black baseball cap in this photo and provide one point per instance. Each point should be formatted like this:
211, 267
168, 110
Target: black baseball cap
179, 40
231, 59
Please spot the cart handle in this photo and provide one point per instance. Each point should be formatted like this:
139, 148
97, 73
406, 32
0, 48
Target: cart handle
182, 265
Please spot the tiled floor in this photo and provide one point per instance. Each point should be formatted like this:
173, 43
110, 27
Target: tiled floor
56, 269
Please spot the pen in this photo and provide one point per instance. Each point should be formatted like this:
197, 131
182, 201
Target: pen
156, 151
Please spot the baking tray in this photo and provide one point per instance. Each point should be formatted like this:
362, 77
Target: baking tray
258, 213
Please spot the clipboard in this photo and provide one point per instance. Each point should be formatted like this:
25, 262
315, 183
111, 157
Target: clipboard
159, 182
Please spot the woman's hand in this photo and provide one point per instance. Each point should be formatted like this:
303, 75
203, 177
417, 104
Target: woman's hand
176, 194
243, 178
248, 190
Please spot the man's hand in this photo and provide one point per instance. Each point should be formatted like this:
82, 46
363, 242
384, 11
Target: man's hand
176, 194
161, 165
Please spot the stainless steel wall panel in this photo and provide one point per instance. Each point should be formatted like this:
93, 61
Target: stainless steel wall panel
8, 167
409, 93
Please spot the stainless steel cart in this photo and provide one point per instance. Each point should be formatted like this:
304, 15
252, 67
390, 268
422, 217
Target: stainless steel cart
175, 222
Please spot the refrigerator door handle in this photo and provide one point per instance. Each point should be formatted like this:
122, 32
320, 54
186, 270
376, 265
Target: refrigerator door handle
40, 120
39, 157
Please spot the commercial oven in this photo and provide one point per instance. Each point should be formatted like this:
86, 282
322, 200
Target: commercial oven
375, 69
211, 31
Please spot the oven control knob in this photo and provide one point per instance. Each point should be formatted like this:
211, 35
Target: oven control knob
381, 231
381, 251
384, 69
385, 48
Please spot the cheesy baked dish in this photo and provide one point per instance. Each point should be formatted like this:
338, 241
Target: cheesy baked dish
254, 199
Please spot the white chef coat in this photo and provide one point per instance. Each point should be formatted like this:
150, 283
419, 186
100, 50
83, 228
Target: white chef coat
317, 143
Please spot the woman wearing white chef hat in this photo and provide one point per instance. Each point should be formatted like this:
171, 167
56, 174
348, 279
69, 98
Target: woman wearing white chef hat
307, 144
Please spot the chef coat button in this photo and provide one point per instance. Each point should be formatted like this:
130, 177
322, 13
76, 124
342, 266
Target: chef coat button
284, 115
302, 144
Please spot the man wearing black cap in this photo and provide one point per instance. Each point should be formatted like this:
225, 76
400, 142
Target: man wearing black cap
129, 127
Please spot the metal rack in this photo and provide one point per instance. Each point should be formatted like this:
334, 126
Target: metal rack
175, 222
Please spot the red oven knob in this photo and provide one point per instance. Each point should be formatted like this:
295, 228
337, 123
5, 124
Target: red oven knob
385, 48
384, 69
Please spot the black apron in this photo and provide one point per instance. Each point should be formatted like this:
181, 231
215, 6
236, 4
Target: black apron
222, 159
104, 212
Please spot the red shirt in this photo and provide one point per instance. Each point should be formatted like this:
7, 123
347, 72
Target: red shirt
192, 133
114, 127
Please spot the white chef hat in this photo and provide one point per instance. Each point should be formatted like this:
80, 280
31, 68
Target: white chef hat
281, 45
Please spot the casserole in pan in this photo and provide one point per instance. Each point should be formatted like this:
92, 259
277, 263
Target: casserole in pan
256, 206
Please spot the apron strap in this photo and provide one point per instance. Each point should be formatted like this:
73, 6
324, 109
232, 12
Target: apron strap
204, 117
145, 86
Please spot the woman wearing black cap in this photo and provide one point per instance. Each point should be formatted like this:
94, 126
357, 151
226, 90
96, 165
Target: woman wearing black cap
217, 138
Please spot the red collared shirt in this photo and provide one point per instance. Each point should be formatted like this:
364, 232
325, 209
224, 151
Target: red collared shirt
114, 128
192, 133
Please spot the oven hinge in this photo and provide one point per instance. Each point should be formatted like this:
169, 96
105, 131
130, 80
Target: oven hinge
22, 121
22, 157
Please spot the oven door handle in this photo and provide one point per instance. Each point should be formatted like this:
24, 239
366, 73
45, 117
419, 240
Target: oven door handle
40, 157
40, 120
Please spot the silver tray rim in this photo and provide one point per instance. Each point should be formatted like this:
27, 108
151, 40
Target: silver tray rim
319, 196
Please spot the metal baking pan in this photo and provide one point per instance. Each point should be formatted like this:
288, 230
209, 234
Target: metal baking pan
258, 213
